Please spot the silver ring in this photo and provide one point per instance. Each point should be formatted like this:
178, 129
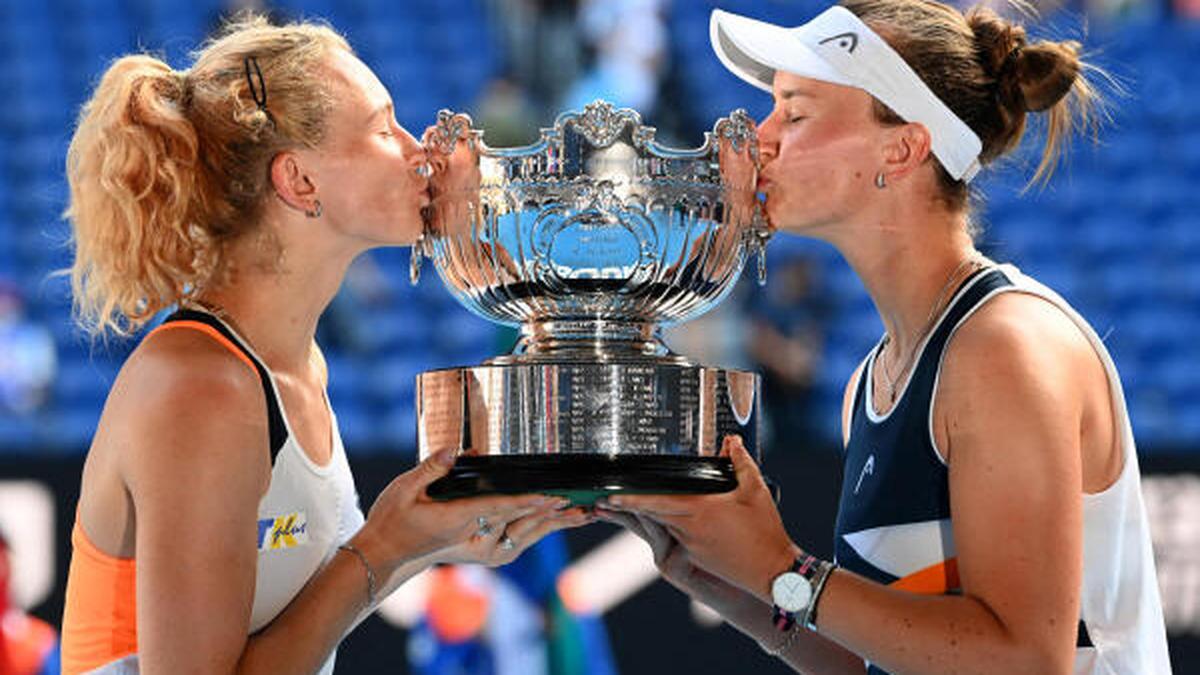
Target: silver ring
484, 528
506, 543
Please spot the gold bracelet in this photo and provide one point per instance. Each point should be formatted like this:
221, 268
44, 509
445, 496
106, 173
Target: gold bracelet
371, 585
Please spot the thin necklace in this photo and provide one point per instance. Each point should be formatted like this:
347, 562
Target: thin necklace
890, 381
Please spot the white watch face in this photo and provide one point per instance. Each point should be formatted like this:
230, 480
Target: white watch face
791, 592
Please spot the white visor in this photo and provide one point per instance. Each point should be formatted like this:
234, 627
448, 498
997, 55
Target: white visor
838, 47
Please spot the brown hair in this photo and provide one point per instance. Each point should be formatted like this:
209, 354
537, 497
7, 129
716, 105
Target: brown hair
985, 69
168, 168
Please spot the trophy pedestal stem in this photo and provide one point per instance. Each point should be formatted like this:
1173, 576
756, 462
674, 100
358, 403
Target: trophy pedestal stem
589, 340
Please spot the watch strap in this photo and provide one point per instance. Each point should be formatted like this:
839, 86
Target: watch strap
809, 618
805, 565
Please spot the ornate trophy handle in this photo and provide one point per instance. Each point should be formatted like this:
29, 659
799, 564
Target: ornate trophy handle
452, 147
738, 155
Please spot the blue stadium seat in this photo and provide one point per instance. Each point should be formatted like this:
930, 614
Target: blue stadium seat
393, 378
347, 376
397, 429
69, 430
17, 434
82, 382
358, 427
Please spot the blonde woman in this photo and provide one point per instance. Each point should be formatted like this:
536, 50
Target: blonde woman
218, 528
991, 519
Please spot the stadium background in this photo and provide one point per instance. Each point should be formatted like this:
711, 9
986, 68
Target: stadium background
1117, 233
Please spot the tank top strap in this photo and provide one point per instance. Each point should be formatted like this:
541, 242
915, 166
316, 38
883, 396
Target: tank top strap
974, 292
221, 333
858, 405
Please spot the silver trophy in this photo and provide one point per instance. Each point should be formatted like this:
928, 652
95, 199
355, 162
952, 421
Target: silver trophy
589, 240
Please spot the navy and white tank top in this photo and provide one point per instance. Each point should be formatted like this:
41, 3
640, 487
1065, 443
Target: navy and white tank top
894, 522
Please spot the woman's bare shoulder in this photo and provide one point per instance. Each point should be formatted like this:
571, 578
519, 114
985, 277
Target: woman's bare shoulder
1019, 363
183, 397
1019, 327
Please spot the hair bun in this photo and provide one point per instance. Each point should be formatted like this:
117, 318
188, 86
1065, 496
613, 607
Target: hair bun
1029, 77
1044, 72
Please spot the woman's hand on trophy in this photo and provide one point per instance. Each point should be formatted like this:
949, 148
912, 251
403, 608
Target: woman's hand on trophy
669, 556
737, 536
405, 524
496, 543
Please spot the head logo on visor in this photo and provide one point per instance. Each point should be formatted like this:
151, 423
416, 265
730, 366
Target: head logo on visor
847, 41
837, 47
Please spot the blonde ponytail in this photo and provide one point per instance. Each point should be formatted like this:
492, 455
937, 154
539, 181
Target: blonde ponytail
167, 168
132, 170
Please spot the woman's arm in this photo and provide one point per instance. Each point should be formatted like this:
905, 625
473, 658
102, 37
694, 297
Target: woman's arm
192, 428
1012, 416
805, 652
191, 422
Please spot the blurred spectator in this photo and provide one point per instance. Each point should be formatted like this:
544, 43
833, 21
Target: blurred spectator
787, 337
507, 621
1187, 9
28, 645
541, 45
507, 115
629, 39
28, 357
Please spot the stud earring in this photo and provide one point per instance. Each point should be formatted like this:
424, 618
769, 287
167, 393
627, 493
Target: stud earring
315, 211
880, 181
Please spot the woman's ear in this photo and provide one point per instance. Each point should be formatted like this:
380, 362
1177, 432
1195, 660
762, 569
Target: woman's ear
292, 183
906, 149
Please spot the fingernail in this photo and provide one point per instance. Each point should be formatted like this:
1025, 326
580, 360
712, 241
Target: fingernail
446, 457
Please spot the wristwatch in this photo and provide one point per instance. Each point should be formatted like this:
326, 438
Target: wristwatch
796, 591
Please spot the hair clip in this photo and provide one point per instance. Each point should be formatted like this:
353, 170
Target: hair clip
259, 93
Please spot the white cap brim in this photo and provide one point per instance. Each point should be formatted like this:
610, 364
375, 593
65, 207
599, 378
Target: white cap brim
739, 40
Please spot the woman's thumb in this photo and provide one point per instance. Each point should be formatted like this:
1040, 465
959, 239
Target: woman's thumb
743, 464
435, 466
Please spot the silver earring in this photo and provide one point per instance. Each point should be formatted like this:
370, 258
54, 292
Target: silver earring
315, 211
880, 181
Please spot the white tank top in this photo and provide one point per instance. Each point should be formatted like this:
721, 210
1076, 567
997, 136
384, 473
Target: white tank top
1119, 600
307, 512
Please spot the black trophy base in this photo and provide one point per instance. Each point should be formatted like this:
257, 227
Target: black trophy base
584, 478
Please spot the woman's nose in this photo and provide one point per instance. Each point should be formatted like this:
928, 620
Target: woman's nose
768, 138
414, 152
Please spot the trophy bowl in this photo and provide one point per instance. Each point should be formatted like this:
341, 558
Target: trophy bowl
589, 240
